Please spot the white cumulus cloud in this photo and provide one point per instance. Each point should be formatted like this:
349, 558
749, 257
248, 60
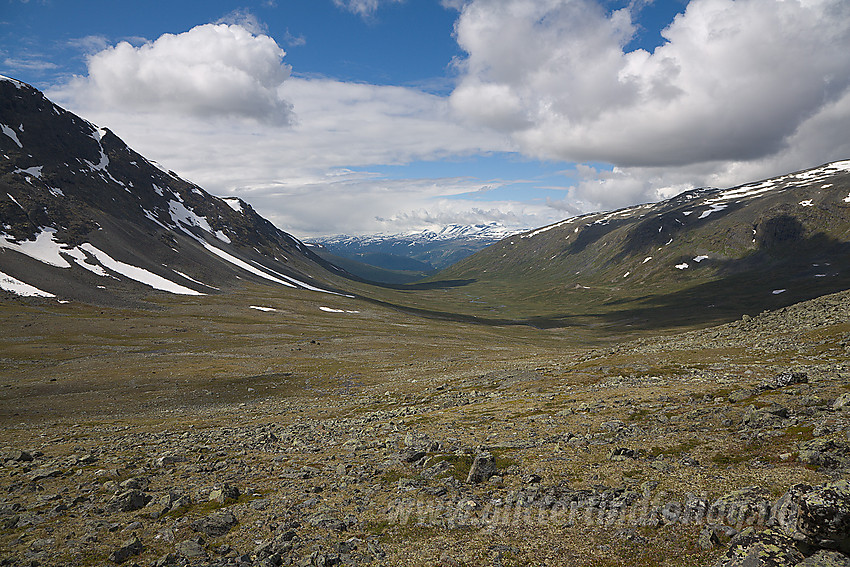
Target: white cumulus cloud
735, 79
211, 70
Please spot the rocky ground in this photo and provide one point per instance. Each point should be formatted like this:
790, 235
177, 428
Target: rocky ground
727, 446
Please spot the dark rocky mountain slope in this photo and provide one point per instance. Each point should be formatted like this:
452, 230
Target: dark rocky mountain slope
83, 216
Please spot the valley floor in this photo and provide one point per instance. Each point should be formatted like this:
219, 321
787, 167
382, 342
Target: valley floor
209, 431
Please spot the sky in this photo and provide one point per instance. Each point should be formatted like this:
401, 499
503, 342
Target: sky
390, 116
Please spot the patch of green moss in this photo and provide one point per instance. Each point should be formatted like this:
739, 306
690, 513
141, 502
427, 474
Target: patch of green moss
675, 450
391, 476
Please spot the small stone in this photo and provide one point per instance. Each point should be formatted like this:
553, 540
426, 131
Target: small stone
224, 494
843, 402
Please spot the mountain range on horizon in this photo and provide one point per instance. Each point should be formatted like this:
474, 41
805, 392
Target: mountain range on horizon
410, 256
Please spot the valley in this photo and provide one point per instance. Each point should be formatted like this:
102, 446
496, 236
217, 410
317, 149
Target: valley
183, 383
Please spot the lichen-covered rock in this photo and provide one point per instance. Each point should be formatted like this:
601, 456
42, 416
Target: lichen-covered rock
825, 453
824, 515
745, 507
825, 558
818, 515
769, 548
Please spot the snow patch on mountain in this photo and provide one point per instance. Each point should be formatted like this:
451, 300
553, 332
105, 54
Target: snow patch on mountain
15, 82
16, 286
180, 214
136, 273
11, 133
44, 248
31, 171
234, 203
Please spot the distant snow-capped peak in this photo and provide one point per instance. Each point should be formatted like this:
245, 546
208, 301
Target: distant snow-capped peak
491, 231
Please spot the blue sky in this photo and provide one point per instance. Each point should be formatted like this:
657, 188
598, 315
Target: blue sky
363, 116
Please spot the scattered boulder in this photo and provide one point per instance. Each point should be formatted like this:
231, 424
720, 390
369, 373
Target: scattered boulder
216, 524
712, 536
825, 453
412, 455
764, 417
127, 550
225, 494
483, 467
748, 506
783, 380
17, 455
622, 453
128, 501
192, 548
167, 460
741, 395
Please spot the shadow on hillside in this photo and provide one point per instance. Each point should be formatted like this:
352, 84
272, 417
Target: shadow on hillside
805, 268
786, 269
658, 230
443, 284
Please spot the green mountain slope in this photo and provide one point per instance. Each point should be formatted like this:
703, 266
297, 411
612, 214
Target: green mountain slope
704, 255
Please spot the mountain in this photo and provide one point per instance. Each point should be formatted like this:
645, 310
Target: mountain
414, 253
83, 216
703, 255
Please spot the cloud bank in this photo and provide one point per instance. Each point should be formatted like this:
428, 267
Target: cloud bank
217, 105
735, 80
738, 91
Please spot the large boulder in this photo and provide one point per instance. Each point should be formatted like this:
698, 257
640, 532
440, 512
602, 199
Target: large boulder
823, 515
768, 548
819, 515
827, 453
216, 524
483, 467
